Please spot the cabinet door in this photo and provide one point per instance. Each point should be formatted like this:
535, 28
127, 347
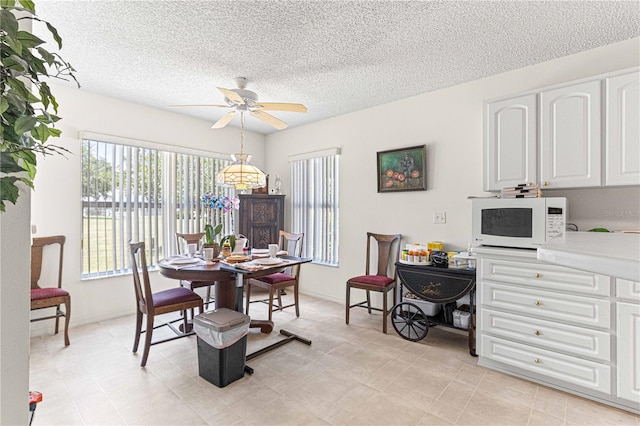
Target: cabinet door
510, 142
570, 140
623, 129
629, 351
261, 218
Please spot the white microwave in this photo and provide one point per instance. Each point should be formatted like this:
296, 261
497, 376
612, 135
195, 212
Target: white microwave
518, 222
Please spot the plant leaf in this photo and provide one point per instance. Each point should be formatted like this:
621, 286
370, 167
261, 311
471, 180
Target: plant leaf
28, 4
8, 190
8, 23
48, 57
4, 105
55, 35
14, 44
7, 3
24, 123
28, 40
41, 132
8, 164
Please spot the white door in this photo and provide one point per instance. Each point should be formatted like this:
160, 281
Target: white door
570, 139
623, 129
510, 142
628, 351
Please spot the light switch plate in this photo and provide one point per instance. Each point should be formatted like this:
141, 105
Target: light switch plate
440, 217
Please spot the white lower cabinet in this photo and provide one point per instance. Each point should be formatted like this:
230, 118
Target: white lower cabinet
628, 331
572, 330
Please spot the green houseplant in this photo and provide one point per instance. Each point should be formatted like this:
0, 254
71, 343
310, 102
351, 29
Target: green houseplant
27, 107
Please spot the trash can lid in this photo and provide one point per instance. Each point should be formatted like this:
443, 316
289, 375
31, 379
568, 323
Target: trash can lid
221, 319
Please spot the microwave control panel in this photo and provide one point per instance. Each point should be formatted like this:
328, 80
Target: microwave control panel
555, 222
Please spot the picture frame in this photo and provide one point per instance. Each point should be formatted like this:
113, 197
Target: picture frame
403, 169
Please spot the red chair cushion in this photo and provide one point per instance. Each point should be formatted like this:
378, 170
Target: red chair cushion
47, 293
377, 280
276, 278
174, 296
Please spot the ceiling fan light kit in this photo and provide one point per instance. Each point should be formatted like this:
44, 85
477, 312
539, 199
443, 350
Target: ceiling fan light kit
240, 174
244, 100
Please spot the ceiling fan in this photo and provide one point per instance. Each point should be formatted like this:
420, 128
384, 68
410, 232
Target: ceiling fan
244, 100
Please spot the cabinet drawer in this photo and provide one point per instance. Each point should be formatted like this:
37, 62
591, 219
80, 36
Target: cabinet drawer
628, 290
569, 369
536, 275
578, 310
579, 341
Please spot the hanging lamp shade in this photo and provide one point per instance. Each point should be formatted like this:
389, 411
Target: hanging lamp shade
240, 174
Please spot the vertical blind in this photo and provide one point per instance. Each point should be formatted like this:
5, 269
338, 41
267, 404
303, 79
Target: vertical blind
315, 204
137, 193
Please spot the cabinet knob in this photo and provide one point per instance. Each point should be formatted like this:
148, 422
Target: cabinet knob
538, 275
545, 183
537, 333
538, 303
537, 361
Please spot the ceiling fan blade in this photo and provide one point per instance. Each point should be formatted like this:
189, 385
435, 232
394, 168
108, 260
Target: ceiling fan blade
279, 106
224, 120
200, 105
231, 95
269, 119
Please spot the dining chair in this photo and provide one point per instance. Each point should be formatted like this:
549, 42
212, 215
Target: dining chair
274, 283
182, 240
380, 282
49, 296
159, 303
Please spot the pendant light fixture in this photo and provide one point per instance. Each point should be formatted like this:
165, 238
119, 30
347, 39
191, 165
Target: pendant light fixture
240, 174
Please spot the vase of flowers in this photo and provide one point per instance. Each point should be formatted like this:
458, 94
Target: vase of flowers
216, 207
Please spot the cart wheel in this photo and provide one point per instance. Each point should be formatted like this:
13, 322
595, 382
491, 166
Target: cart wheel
409, 321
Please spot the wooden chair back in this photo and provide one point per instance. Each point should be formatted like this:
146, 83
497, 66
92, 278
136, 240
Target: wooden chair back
385, 251
37, 249
182, 240
292, 243
144, 296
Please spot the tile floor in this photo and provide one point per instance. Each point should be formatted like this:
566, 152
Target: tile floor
350, 375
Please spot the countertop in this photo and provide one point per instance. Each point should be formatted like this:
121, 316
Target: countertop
609, 253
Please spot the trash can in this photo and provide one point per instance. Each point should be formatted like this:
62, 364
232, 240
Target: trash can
222, 345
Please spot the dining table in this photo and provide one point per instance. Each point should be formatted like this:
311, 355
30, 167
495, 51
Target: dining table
228, 278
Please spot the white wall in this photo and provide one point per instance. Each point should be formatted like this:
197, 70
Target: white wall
56, 205
449, 123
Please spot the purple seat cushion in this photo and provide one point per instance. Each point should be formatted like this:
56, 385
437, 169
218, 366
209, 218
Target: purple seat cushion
377, 280
174, 296
276, 278
47, 293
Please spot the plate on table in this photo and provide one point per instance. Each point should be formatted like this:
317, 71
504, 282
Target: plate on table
268, 261
184, 261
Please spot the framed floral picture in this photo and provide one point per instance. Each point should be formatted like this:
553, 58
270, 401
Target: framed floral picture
402, 169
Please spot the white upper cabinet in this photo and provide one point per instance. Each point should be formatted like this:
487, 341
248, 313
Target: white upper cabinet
510, 142
623, 129
570, 136
576, 135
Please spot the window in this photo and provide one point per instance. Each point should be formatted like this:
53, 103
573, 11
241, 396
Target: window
140, 193
314, 203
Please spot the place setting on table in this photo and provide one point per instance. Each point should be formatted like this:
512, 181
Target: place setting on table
191, 258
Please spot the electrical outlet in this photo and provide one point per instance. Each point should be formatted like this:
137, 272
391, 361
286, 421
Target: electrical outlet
440, 217
34, 229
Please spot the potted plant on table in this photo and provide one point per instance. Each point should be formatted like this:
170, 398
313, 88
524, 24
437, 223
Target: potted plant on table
215, 209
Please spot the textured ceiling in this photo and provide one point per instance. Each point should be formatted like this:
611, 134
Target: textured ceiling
333, 56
